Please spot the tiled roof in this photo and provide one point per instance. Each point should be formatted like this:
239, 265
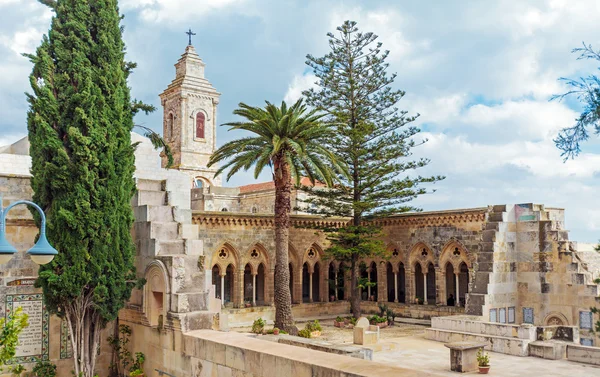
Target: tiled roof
271, 185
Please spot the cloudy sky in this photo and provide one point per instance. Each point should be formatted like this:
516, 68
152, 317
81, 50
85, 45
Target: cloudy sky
480, 73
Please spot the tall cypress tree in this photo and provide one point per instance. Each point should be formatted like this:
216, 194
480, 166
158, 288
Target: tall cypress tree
79, 121
373, 138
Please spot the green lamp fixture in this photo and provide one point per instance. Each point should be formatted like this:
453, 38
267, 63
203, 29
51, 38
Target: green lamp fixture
41, 253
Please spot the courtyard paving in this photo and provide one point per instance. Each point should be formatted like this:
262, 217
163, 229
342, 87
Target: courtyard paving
405, 346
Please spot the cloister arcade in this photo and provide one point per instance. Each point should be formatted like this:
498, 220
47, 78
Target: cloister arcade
414, 275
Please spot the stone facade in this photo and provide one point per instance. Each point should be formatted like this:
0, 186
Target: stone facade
207, 252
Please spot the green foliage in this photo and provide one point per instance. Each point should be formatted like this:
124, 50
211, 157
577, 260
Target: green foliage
137, 369
596, 311
372, 137
119, 345
17, 370
305, 333
339, 319
9, 335
44, 369
79, 120
375, 319
292, 133
391, 316
383, 308
258, 326
313, 326
483, 358
587, 91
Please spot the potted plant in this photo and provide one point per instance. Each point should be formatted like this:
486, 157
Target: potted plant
17, 370
248, 304
483, 361
419, 301
137, 369
338, 321
275, 331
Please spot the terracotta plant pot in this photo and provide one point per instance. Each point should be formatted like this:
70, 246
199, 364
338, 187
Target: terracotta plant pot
315, 334
338, 324
275, 331
484, 370
332, 298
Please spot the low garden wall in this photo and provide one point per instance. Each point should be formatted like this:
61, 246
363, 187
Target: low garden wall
583, 354
412, 310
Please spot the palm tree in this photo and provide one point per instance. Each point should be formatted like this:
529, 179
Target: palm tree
290, 141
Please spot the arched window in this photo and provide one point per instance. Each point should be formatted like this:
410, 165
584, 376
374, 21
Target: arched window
224, 210
198, 183
254, 209
200, 120
170, 121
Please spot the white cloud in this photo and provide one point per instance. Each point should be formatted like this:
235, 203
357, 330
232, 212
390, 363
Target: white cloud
173, 11
299, 84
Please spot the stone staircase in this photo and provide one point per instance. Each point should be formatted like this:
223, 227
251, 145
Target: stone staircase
165, 233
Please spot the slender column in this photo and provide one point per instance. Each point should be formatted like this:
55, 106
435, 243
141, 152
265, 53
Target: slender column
223, 290
336, 286
254, 289
425, 288
310, 287
457, 301
395, 287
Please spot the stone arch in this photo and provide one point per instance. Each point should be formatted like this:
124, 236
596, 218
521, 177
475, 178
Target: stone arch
170, 125
201, 182
454, 253
422, 254
256, 255
156, 293
556, 319
225, 255
201, 119
395, 255
295, 275
312, 255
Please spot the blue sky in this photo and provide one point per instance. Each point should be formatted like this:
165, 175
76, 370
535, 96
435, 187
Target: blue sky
479, 73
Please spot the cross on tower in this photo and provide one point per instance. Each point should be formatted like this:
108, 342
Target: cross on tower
190, 33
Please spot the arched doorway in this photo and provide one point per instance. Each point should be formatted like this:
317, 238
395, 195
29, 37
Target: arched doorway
431, 294
451, 293
419, 283
332, 282
341, 282
391, 282
248, 285
463, 283
305, 283
228, 278
316, 283
260, 285
373, 281
401, 283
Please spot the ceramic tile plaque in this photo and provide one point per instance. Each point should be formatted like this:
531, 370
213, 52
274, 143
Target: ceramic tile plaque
493, 315
585, 320
502, 315
33, 341
66, 347
511, 315
528, 315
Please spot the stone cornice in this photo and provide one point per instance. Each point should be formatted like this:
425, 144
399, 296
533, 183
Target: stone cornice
434, 218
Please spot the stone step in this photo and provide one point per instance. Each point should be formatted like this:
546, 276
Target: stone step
150, 185
155, 198
156, 230
171, 247
499, 208
497, 217
146, 213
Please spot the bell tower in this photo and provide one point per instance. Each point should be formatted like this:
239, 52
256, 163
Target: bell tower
190, 119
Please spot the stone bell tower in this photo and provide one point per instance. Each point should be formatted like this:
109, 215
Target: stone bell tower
190, 120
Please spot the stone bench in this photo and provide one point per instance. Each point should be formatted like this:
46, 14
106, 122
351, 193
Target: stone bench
463, 355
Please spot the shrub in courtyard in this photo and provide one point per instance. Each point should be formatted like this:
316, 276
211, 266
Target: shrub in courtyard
258, 325
391, 316
137, 369
44, 369
305, 333
9, 335
313, 326
382, 309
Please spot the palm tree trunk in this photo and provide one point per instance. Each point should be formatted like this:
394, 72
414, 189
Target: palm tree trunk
283, 299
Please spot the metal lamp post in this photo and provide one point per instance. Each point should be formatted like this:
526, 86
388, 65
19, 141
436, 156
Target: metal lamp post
41, 253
